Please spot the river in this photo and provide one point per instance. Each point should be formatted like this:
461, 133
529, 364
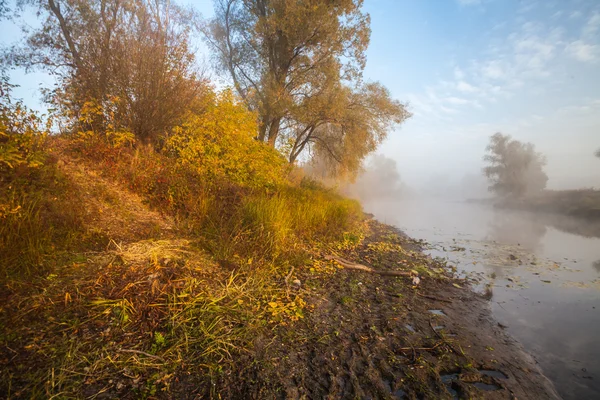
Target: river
543, 272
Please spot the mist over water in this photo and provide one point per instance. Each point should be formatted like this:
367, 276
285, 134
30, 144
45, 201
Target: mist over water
543, 270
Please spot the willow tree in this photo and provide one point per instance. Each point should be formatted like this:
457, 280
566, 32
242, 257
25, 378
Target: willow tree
514, 168
299, 65
131, 56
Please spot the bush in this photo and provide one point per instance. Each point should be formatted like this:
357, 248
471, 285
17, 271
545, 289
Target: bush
21, 134
219, 144
33, 218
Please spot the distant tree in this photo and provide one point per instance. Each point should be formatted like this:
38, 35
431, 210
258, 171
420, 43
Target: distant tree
514, 169
133, 55
298, 64
597, 153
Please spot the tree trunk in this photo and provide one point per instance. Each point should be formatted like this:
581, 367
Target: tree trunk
274, 131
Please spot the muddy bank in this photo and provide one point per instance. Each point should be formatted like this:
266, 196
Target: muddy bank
373, 336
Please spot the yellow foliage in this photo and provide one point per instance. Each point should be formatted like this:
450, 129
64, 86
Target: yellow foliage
281, 309
219, 143
22, 134
321, 267
112, 132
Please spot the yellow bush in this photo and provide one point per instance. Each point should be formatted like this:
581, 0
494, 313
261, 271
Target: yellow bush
113, 131
22, 134
220, 144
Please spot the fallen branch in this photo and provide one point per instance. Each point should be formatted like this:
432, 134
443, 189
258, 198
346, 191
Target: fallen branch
360, 267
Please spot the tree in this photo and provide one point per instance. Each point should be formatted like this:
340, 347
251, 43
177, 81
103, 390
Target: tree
299, 64
131, 57
597, 153
515, 169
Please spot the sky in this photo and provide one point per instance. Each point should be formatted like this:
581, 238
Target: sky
467, 69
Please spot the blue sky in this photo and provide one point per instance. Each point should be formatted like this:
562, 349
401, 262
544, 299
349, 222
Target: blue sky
468, 69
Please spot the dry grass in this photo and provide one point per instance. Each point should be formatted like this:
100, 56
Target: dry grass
184, 280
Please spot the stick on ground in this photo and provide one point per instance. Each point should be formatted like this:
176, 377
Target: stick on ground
360, 267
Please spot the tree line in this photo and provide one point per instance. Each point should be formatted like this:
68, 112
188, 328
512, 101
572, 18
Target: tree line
297, 65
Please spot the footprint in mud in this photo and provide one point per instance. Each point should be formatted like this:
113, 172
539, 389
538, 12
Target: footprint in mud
486, 386
493, 373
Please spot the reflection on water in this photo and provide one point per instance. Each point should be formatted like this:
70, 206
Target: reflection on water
529, 233
544, 271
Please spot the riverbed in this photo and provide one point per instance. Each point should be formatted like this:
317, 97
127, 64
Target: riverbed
542, 272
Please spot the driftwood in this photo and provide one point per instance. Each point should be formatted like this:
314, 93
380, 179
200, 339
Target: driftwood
360, 267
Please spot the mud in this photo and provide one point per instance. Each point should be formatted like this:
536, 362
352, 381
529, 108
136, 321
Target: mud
376, 337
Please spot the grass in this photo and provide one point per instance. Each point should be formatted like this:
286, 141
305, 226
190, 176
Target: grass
85, 314
35, 219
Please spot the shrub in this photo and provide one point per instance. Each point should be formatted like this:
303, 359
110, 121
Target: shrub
22, 133
219, 144
33, 218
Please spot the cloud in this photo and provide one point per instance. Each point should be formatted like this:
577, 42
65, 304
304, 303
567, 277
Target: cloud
493, 70
584, 52
465, 87
532, 59
592, 26
458, 73
576, 14
456, 100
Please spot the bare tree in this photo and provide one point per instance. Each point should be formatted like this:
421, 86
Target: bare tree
514, 169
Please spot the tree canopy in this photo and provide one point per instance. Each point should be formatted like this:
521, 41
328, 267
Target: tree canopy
299, 66
514, 168
134, 55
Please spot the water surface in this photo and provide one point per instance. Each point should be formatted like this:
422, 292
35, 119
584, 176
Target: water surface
543, 270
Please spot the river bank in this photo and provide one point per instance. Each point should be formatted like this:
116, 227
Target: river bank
374, 336
357, 335
543, 277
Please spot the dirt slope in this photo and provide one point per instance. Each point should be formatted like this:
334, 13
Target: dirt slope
111, 209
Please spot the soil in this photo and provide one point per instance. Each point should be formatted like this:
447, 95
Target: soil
379, 337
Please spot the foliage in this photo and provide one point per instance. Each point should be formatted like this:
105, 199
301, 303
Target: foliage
137, 51
346, 126
22, 133
114, 133
33, 217
597, 153
515, 169
299, 66
219, 144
